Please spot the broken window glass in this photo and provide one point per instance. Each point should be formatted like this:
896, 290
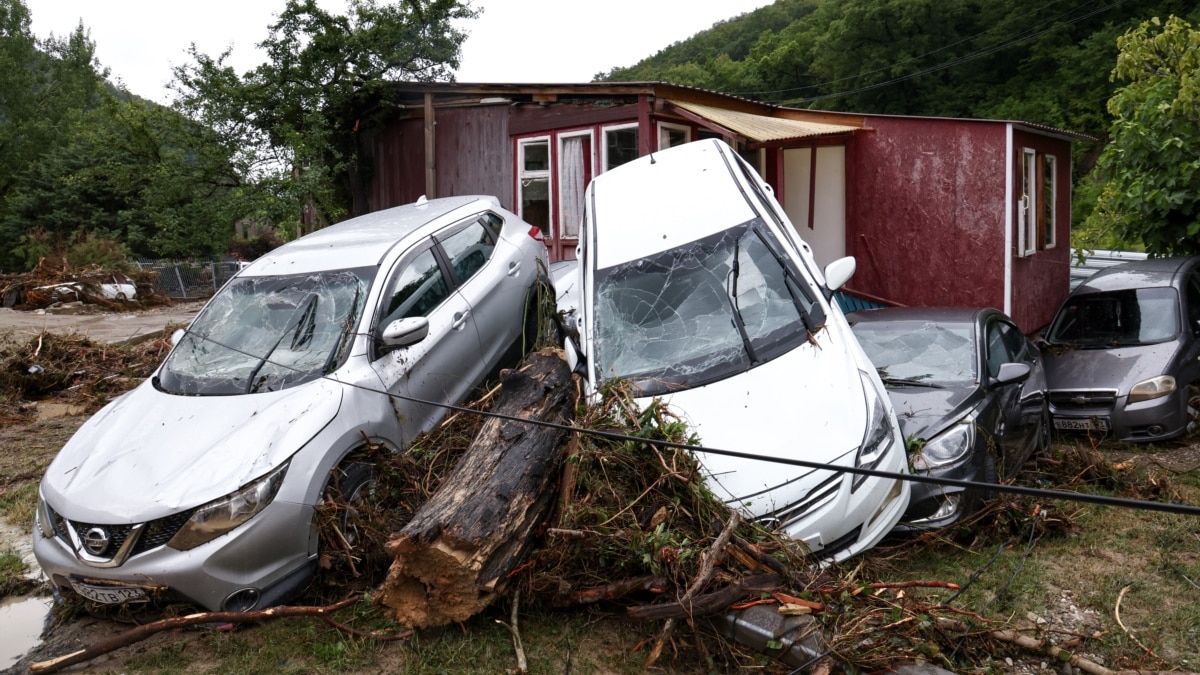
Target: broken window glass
701, 312
937, 353
268, 333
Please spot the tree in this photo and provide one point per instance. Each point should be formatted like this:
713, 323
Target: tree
296, 119
1150, 170
46, 87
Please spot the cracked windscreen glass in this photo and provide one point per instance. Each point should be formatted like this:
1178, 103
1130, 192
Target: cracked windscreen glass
1117, 318
268, 333
935, 353
700, 312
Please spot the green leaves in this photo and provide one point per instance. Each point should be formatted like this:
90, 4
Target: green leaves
1150, 171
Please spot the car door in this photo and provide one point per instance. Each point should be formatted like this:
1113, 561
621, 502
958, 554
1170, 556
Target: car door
442, 367
1018, 403
492, 277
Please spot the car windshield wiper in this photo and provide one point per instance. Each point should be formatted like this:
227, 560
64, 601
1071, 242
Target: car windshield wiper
731, 292
293, 326
907, 381
347, 331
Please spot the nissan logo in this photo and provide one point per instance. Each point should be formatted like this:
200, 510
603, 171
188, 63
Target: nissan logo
96, 540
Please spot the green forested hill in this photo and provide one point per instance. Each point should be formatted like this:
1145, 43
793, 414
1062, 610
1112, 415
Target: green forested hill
1043, 61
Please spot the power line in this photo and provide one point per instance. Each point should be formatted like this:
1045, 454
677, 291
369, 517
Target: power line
1103, 500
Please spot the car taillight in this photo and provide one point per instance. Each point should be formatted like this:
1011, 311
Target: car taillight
536, 233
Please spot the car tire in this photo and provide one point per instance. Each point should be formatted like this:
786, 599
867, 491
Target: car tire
350, 484
121, 296
1045, 432
1192, 424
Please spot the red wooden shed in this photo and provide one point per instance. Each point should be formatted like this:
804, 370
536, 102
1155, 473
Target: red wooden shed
936, 211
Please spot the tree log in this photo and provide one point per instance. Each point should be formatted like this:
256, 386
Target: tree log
454, 557
709, 603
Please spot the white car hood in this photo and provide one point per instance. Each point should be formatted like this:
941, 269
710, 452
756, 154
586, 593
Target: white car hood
149, 454
807, 404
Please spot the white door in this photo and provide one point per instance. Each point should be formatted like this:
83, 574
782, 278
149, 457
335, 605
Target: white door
814, 195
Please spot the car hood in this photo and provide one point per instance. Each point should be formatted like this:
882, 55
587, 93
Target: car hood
149, 454
807, 404
1118, 368
925, 412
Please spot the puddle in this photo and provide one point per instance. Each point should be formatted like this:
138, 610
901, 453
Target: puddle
21, 621
21, 618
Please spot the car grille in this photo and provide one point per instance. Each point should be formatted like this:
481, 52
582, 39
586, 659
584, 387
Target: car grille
816, 498
154, 534
1083, 399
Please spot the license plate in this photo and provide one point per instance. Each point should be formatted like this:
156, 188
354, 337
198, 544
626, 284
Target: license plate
1077, 424
110, 595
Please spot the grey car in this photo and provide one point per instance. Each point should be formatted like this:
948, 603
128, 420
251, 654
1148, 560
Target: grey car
969, 391
1121, 353
201, 483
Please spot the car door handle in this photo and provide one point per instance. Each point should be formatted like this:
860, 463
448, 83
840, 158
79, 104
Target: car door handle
514, 268
460, 320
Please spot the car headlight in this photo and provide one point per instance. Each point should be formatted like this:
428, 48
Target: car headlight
222, 515
947, 447
42, 517
1155, 387
878, 437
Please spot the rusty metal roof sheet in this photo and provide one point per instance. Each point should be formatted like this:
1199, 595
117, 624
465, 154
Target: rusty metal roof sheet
762, 128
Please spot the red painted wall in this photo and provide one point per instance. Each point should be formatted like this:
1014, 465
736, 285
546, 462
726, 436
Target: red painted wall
925, 211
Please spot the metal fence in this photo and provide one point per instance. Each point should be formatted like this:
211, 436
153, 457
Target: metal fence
1094, 261
189, 279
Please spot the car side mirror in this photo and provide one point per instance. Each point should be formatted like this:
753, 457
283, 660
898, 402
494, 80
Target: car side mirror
1011, 373
405, 332
838, 272
177, 336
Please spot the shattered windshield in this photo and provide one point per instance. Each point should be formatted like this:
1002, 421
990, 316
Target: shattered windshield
268, 333
700, 312
1117, 318
919, 352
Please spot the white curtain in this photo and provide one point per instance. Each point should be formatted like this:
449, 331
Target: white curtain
571, 187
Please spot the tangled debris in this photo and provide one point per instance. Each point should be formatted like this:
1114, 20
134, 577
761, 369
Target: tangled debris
71, 369
637, 533
55, 282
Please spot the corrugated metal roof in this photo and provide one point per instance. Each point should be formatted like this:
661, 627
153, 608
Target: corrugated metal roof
760, 127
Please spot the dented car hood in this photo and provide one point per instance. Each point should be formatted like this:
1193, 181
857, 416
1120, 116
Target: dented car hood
757, 410
149, 454
924, 413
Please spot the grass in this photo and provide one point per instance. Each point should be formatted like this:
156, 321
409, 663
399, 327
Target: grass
18, 504
553, 642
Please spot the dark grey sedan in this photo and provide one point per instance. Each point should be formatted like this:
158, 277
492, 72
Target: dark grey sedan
969, 392
1121, 358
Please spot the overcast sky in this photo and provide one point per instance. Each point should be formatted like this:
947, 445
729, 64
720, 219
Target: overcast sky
513, 41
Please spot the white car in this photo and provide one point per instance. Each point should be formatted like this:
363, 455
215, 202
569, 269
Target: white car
111, 286
695, 288
200, 484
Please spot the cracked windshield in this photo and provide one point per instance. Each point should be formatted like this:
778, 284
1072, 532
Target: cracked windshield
925, 353
268, 333
700, 312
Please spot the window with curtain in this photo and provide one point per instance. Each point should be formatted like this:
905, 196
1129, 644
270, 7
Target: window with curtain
574, 173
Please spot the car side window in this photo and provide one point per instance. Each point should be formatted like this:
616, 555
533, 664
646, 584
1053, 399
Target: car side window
1193, 301
417, 289
468, 249
1005, 344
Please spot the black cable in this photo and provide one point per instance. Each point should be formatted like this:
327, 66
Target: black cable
1180, 509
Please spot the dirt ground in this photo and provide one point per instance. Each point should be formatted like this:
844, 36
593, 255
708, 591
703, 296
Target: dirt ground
100, 326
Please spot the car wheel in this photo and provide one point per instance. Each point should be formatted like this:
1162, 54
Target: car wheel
540, 317
1193, 409
1045, 430
349, 487
121, 296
